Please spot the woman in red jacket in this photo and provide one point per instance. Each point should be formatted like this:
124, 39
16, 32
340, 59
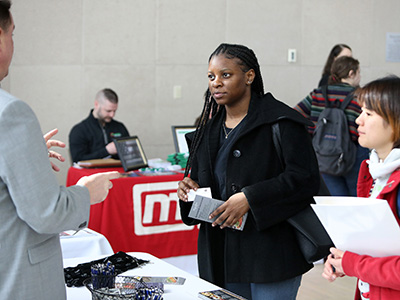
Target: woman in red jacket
379, 129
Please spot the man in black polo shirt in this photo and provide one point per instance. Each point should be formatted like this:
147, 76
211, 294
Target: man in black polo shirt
92, 138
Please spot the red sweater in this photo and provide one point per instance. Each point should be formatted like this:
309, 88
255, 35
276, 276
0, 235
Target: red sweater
382, 273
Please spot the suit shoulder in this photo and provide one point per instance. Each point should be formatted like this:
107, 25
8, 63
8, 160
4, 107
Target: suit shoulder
11, 104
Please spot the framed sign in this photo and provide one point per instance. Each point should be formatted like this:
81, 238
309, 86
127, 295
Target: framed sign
178, 133
130, 153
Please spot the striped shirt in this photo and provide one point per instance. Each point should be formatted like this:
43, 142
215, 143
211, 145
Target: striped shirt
314, 104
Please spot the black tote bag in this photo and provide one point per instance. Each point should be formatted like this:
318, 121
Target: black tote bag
312, 238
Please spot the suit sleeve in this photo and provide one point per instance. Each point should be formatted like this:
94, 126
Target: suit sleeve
377, 271
25, 168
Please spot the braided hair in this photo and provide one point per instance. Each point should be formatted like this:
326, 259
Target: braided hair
247, 60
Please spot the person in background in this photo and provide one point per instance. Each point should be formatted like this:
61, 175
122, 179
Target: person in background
379, 129
34, 209
93, 137
233, 153
344, 80
336, 52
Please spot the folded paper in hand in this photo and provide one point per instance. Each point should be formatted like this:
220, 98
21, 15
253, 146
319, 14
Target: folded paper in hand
203, 206
206, 192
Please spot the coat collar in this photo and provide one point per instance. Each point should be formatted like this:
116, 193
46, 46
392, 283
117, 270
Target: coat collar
268, 110
262, 110
392, 183
365, 180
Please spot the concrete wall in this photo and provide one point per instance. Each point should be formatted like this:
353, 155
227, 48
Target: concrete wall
67, 50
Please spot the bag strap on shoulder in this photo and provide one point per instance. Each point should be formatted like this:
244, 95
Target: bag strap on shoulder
324, 90
276, 138
343, 105
347, 100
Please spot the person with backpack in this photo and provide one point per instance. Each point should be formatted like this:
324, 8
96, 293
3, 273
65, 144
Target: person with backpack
333, 110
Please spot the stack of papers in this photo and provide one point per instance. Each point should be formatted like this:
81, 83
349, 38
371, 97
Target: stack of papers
361, 225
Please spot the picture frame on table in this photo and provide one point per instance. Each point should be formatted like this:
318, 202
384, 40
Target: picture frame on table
178, 134
131, 153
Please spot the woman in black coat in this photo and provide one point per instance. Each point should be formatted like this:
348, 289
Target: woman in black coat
232, 152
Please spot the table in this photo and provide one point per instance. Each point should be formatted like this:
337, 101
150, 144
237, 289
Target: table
189, 290
141, 214
84, 243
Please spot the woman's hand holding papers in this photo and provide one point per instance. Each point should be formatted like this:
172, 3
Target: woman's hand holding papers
184, 186
231, 211
333, 265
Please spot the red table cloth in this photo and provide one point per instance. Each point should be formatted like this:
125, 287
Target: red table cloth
141, 214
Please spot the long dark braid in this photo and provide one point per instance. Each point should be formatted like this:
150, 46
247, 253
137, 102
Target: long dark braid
210, 108
245, 58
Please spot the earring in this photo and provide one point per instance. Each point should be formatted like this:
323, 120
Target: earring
249, 82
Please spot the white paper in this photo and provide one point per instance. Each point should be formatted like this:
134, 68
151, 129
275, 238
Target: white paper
361, 225
393, 47
205, 192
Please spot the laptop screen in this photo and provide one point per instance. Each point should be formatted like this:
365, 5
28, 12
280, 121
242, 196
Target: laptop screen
130, 153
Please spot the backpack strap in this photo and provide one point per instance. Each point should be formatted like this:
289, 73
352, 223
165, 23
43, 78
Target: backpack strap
324, 90
347, 100
343, 105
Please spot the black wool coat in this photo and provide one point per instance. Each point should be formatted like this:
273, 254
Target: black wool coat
266, 250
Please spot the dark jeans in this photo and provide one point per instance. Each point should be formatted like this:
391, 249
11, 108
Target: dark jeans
281, 290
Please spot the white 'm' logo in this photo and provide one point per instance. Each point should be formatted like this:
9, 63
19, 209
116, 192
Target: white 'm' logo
164, 200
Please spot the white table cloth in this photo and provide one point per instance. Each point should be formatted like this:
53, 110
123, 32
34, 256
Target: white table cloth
84, 243
158, 268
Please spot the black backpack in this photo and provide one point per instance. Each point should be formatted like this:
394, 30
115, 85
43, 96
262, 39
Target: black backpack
336, 152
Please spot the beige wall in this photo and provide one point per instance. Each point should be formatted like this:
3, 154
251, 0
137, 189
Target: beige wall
67, 50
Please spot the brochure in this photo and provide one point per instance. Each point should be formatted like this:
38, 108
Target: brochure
203, 206
164, 280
